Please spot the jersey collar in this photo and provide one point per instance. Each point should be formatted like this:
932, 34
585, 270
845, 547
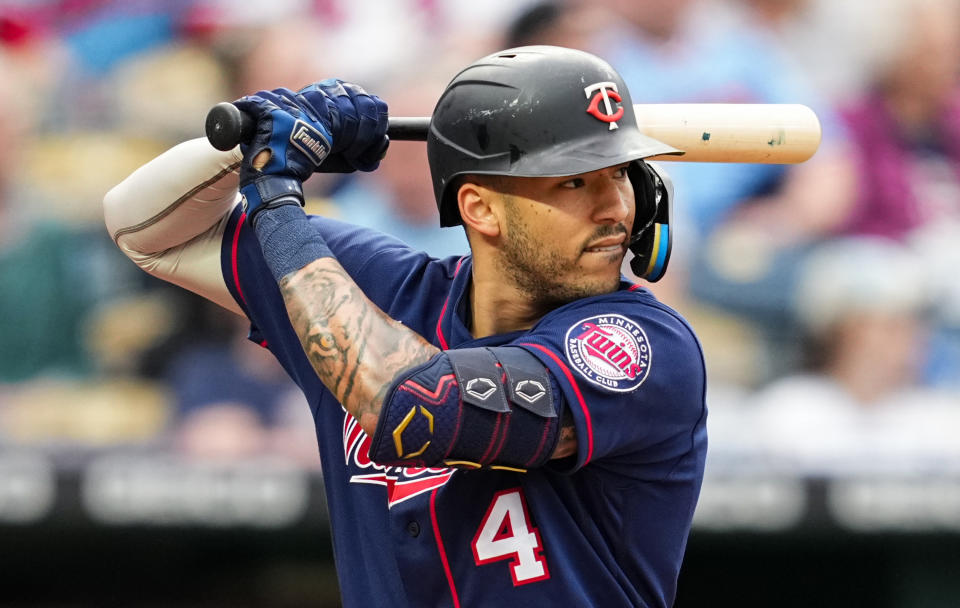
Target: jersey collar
452, 327
451, 330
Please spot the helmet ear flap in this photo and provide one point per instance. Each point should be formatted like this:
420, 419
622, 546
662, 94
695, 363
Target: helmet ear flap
652, 240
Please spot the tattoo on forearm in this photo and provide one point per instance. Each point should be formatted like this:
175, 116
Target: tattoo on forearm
567, 444
355, 348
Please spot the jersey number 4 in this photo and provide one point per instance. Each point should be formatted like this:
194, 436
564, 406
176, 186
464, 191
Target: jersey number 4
506, 533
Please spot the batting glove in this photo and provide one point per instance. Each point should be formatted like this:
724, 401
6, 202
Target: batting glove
298, 138
358, 122
328, 126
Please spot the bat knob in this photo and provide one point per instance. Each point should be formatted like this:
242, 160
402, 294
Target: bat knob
226, 126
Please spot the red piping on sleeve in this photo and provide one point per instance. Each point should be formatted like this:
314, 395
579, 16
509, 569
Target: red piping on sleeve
233, 257
443, 311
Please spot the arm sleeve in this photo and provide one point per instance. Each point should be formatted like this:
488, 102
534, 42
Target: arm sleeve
633, 377
169, 216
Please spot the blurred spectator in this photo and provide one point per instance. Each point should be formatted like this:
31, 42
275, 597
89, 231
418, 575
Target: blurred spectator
937, 247
52, 274
835, 44
556, 23
232, 399
80, 367
286, 53
859, 404
59, 273
164, 94
44, 300
906, 129
103, 34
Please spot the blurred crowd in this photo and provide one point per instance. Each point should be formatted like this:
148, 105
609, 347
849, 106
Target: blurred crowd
825, 293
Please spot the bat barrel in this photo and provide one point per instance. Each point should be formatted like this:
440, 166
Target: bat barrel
733, 133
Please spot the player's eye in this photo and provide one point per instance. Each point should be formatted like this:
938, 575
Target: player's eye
621, 172
576, 182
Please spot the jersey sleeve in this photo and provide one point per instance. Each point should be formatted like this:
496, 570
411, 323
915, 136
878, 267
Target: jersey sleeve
398, 279
633, 380
395, 276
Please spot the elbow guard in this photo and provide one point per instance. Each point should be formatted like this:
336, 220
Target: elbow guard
472, 408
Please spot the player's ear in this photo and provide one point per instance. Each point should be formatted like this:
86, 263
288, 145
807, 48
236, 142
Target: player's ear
477, 204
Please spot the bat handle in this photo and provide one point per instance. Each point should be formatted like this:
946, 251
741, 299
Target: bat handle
408, 128
226, 126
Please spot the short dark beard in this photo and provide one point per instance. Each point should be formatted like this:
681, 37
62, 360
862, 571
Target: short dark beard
532, 266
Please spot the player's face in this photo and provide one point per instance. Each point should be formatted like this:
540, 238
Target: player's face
564, 238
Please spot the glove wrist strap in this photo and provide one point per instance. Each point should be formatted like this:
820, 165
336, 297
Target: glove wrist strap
268, 192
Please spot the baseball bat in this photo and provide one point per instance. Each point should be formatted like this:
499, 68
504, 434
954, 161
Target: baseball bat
706, 132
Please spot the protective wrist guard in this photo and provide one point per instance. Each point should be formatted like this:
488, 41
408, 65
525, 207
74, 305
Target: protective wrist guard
268, 192
473, 408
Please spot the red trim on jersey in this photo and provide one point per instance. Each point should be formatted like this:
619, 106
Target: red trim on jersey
441, 550
634, 287
576, 390
436, 396
233, 257
443, 311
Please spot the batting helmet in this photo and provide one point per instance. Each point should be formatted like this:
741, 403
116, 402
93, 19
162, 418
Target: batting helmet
544, 111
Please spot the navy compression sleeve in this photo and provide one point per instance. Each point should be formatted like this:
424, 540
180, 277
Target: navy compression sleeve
288, 240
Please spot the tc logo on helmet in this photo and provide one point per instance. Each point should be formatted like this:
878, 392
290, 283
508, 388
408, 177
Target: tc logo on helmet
604, 92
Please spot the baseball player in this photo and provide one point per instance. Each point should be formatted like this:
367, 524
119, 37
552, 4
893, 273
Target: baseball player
521, 426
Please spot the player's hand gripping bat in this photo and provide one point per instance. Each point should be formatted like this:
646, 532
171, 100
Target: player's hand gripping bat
706, 132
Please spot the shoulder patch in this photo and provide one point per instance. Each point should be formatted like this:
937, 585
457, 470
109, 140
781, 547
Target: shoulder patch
610, 351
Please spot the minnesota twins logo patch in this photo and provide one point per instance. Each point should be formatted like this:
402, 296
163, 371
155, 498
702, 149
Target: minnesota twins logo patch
609, 350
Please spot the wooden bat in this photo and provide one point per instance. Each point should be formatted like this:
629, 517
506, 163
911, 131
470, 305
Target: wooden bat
731, 132
706, 132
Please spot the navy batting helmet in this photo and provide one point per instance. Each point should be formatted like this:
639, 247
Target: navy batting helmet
544, 111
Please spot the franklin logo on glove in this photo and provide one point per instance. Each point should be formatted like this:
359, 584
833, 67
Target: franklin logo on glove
310, 141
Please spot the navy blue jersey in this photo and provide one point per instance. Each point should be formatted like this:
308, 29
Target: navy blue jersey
606, 527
